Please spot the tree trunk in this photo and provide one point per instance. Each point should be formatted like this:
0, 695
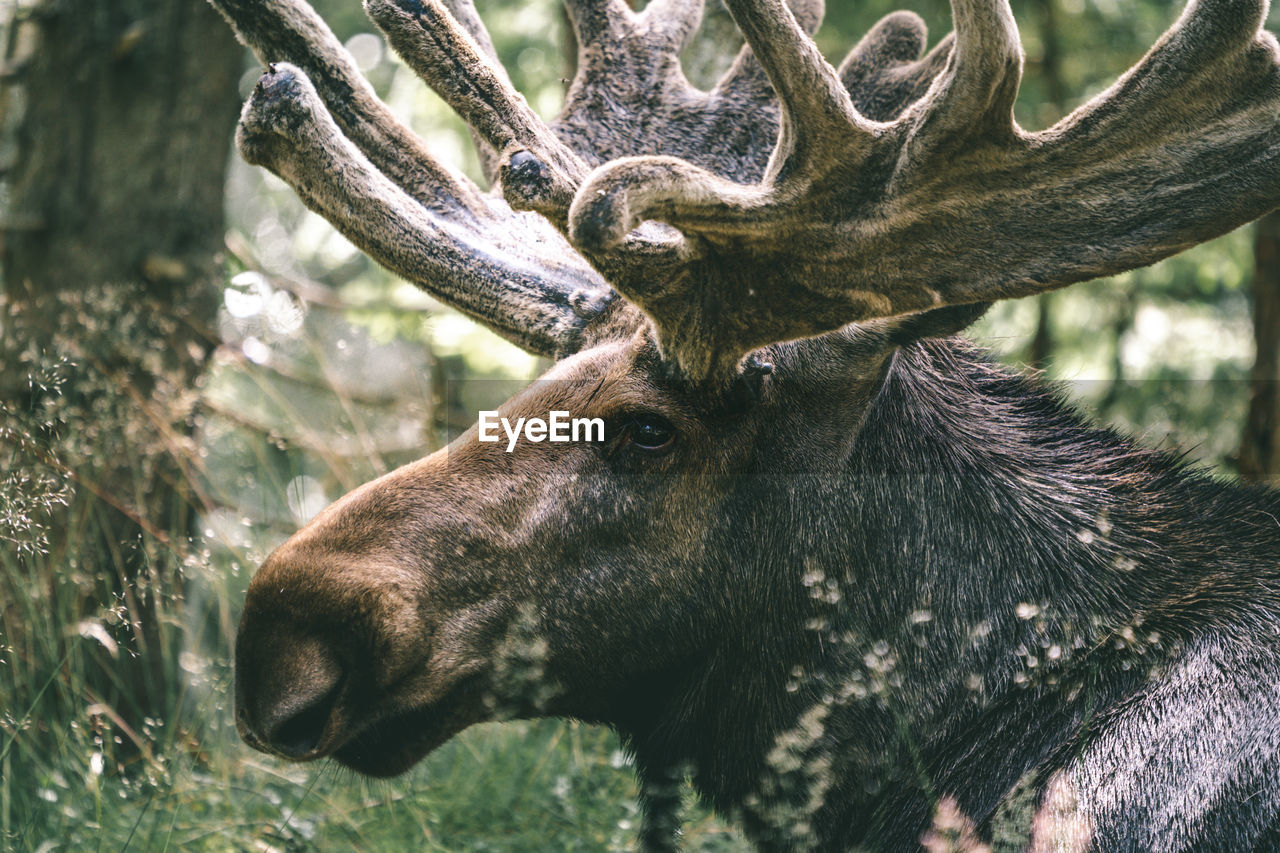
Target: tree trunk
1260, 448
1051, 73
112, 234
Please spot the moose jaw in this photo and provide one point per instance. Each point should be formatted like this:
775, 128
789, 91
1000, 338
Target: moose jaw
829, 560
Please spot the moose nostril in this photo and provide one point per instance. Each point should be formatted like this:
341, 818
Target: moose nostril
287, 689
299, 735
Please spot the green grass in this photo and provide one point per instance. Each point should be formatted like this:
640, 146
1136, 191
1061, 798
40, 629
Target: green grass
70, 779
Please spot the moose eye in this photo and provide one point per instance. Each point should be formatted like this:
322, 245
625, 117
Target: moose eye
649, 432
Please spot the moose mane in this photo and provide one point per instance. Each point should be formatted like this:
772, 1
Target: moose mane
1002, 568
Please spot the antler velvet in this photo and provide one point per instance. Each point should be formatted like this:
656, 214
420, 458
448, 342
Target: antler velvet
951, 203
789, 200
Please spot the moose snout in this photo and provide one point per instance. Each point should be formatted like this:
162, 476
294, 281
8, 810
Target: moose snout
287, 693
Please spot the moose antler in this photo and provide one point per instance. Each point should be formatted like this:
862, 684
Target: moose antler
736, 218
315, 122
952, 203
320, 127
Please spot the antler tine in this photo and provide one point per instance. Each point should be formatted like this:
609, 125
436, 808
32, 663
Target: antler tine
885, 71
628, 70
897, 38
1207, 32
449, 61
291, 31
464, 12
672, 23
620, 195
745, 73
975, 96
817, 110
598, 20
511, 272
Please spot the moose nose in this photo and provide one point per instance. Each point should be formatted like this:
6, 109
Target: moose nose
287, 693
298, 735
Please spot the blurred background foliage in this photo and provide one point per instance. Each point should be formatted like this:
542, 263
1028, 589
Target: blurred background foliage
317, 370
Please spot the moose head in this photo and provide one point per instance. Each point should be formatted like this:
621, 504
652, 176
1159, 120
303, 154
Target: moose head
751, 288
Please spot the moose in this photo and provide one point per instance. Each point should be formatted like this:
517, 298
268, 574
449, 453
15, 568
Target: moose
828, 560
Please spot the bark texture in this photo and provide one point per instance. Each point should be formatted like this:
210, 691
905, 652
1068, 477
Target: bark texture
1260, 449
112, 234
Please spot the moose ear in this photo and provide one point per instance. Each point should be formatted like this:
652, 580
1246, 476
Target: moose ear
862, 344
936, 323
